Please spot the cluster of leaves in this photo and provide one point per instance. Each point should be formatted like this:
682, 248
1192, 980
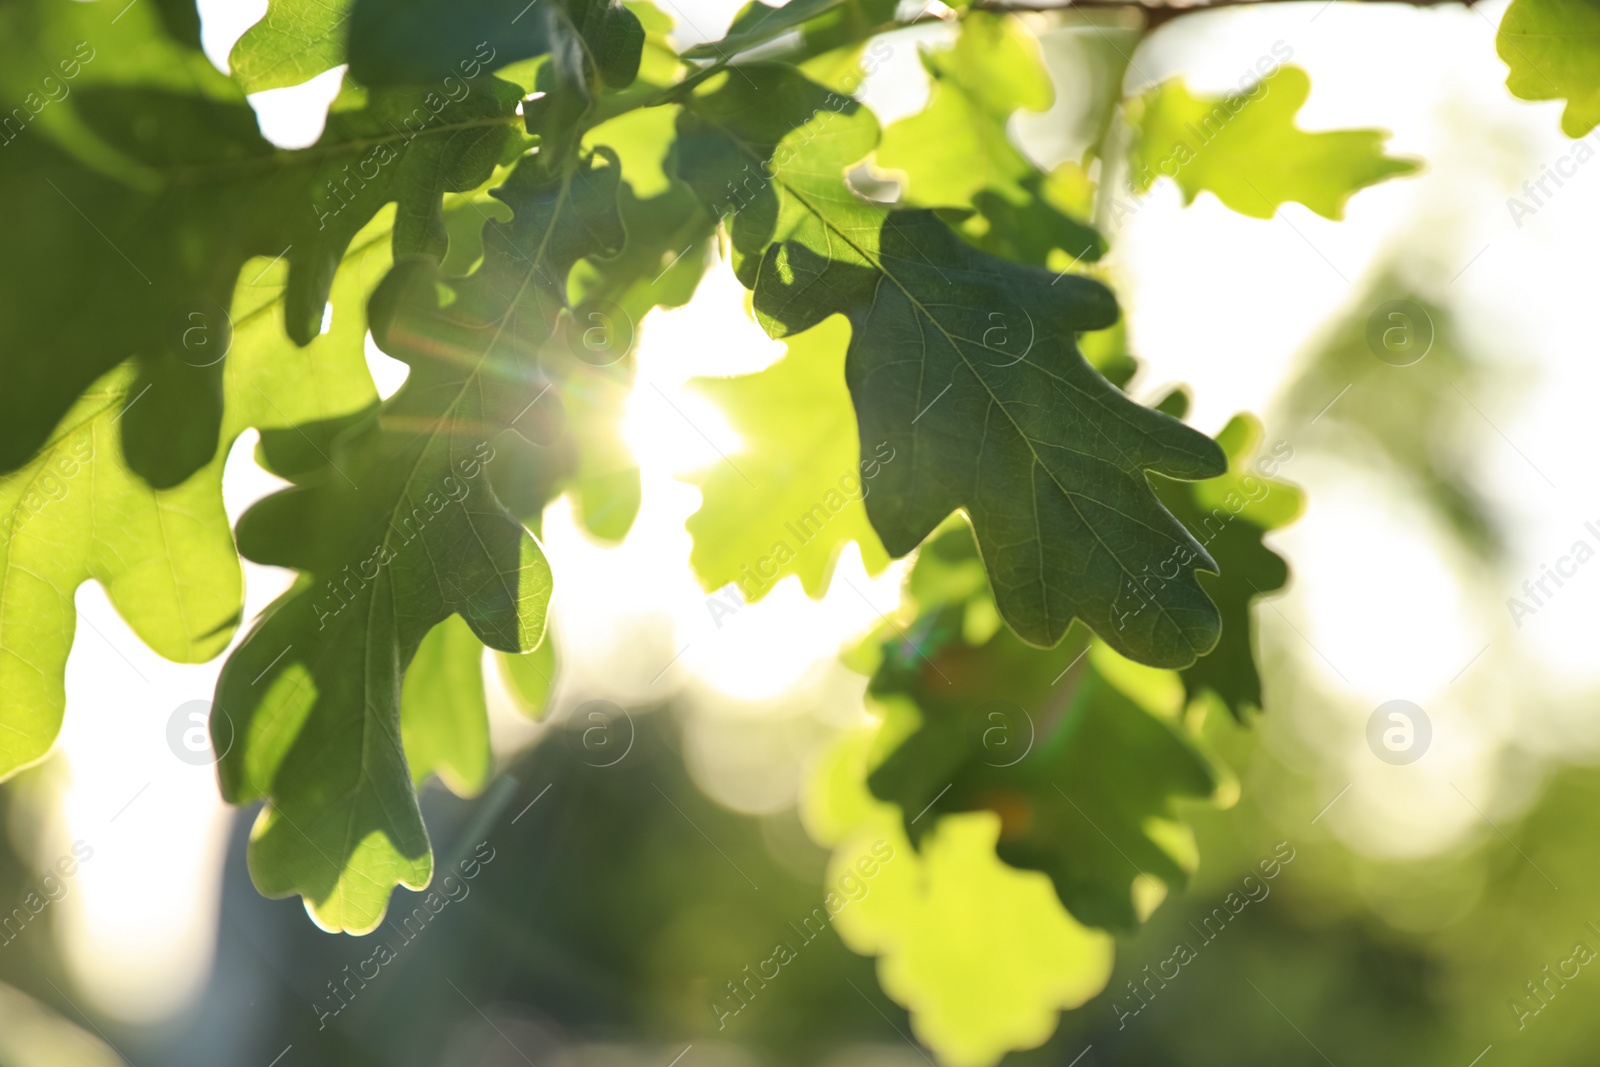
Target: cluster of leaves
493, 180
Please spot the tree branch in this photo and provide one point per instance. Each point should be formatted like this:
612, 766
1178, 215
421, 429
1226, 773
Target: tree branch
1156, 13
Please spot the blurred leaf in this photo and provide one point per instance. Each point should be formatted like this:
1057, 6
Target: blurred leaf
1401, 411
1553, 50
314, 690
1045, 455
796, 496
982, 955
1245, 149
1077, 750
957, 154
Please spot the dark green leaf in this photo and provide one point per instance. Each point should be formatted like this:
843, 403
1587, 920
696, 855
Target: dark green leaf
968, 366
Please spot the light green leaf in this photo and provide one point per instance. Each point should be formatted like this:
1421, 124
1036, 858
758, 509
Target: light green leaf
399, 532
530, 676
795, 498
444, 718
75, 512
982, 955
957, 154
967, 365
1553, 50
1246, 150
294, 42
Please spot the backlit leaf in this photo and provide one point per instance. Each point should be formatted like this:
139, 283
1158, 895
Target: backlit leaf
1553, 50
294, 42
1245, 149
401, 532
796, 495
981, 954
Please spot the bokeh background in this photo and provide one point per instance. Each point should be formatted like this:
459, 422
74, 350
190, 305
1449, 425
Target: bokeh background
1424, 900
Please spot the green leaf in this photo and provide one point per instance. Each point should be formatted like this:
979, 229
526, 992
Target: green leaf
967, 366
444, 717
427, 42
956, 153
294, 42
981, 954
75, 512
423, 42
399, 533
1245, 149
156, 217
1553, 50
1076, 749
795, 498
1230, 515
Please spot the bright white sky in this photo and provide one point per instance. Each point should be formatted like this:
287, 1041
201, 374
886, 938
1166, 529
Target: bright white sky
1378, 610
